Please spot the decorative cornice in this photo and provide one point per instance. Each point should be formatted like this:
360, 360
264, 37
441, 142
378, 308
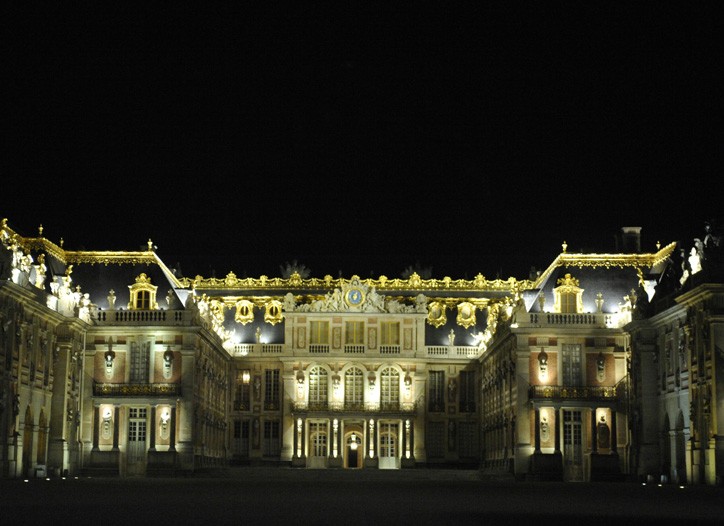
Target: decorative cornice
615, 260
637, 261
110, 258
383, 283
68, 257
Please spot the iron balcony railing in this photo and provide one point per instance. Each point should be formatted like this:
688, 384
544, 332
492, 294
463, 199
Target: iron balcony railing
366, 407
568, 392
104, 389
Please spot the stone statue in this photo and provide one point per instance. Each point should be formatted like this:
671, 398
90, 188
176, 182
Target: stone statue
40, 270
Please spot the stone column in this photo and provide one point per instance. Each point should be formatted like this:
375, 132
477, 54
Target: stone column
172, 439
537, 430
116, 426
557, 431
152, 434
96, 426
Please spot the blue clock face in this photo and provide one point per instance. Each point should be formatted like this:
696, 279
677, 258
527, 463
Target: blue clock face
354, 297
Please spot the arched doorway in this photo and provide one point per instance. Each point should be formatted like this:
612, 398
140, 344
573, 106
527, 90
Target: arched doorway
353, 448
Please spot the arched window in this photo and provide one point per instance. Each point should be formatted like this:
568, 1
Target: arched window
353, 388
318, 387
568, 296
142, 294
390, 388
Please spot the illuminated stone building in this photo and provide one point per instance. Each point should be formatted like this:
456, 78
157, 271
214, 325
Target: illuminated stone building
114, 364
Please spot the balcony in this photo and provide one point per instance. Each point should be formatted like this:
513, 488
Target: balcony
562, 319
447, 352
567, 392
143, 317
366, 407
103, 389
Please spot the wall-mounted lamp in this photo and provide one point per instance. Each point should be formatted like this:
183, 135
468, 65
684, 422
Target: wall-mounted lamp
245, 376
353, 442
371, 380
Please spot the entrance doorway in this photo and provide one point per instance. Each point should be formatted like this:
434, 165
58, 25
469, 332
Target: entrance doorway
572, 446
136, 453
389, 446
317, 456
353, 450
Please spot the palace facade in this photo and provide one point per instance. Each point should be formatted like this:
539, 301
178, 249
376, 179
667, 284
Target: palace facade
603, 366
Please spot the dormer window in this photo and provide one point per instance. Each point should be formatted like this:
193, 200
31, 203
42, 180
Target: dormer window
568, 295
142, 294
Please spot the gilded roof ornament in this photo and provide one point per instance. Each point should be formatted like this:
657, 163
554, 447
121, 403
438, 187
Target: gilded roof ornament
568, 281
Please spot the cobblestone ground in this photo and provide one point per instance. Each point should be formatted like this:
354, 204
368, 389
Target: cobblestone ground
243, 496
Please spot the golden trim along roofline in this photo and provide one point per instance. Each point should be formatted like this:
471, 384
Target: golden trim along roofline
230, 282
637, 261
261, 301
93, 257
414, 283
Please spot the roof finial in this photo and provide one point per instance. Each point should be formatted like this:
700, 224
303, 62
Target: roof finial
564, 246
150, 245
40, 230
658, 245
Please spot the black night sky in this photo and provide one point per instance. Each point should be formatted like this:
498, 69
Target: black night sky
362, 137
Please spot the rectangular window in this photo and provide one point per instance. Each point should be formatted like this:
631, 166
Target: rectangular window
143, 300
388, 440
467, 391
243, 396
571, 357
237, 429
271, 389
319, 333
436, 395
353, 388
390, 333
435, 437
139, 363
272, 444
354, 332
572, 445
136, 451
569, 302
468, 440
318, 439
240, 440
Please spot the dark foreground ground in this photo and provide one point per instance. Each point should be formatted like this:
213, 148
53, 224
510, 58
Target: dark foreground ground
296, 497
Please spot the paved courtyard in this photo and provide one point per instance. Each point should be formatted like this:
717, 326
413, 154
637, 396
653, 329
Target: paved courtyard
294, 496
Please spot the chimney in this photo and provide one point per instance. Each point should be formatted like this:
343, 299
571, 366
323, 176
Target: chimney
630, 240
